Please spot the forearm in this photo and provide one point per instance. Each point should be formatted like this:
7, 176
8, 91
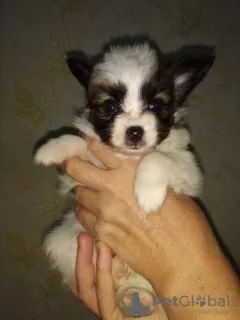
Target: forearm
183, 259
189, 264
208, 289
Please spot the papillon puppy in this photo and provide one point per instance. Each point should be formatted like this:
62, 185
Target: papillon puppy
134, 104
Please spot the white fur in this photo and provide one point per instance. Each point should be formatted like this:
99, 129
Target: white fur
66, 184
60, 246
122, 122
170, 164
85, 126
56, 150
185, 175
130, 66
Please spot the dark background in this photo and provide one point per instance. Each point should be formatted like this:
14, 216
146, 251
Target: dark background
38, 94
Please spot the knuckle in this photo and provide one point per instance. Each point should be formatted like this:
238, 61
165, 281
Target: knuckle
107, 230
102, 228
70, 166
99, 227
81, 193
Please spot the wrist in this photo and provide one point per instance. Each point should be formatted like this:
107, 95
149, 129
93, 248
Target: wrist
206, 291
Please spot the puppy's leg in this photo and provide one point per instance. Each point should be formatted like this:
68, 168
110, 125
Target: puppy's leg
55, 151
60, 245
159, 170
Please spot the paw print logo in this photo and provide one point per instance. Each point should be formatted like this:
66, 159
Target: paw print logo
201, 301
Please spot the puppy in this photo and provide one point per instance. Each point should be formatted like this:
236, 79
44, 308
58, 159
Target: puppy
135, 104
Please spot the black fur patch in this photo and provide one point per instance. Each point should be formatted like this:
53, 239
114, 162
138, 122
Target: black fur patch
156, 85
103, 125
118, 92
115, 91
192, 67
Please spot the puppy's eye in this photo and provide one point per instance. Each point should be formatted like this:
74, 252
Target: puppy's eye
156, 106
109, 107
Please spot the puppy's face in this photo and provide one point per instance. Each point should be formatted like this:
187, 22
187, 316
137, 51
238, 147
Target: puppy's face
134, 96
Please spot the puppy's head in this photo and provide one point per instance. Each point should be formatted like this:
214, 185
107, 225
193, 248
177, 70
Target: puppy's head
134, 95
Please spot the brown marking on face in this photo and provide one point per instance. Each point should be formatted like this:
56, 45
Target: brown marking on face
100, 98
97, 80
102, 90
164, 96
98, 93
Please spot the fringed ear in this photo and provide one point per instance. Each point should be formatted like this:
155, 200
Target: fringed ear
188, 73
81, 70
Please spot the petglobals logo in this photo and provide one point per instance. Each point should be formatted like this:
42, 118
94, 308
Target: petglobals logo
201, 301
138, 309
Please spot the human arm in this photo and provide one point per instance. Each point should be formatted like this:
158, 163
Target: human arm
184, 258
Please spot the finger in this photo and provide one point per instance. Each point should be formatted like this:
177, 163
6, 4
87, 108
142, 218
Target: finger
73, 287
104, 154
88, 220
86, 173
88, 198
85, 273
105, 287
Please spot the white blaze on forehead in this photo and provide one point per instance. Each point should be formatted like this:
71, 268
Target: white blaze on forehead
131, 66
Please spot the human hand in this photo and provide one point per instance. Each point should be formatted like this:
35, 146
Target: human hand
97, 290
182, 254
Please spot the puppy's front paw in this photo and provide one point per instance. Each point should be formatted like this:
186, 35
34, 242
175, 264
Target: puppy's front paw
57, 150
49, 154
149, 197
151, 183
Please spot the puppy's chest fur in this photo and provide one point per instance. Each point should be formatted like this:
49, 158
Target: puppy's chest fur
171, 163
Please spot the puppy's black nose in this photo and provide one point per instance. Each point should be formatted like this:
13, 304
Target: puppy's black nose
134, 134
